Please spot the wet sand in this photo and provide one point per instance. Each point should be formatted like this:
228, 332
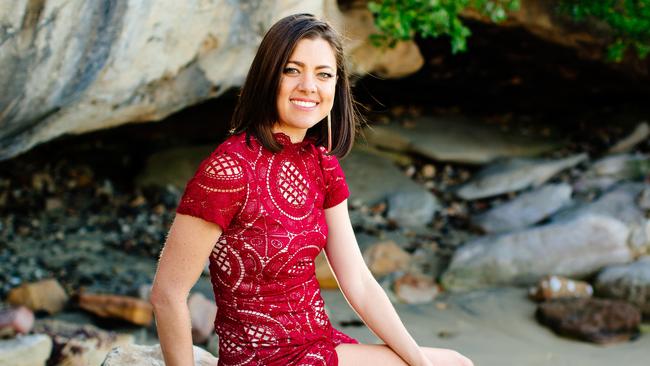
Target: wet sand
495, 327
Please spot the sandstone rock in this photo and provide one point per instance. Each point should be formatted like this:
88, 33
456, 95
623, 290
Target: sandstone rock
19, 320
629, 282
202, 314
372, 178
127, 308
28, 350
412, 209
572, 248
456, 140
414, 288
324, 275
47, 295
76, 344
557, 287
515, 175
137, 355
386, 257
526, 209
594, 320
640, 133
79, 66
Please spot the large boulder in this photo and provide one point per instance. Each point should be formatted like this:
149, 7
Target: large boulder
514, 175
573, 248
595, 320
527, 209
77, 66
29, 350
77, 344
137, 355
373, 178
455, 139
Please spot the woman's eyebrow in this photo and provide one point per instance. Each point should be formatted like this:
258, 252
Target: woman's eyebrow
303, 65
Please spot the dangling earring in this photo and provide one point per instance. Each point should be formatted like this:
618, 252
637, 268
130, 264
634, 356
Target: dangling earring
329, 132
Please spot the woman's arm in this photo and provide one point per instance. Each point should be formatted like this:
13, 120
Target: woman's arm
361, 289
189, 243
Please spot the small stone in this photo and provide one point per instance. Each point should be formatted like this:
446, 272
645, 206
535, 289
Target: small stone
415, 288
128, 308
428, 171
557, 287
595, 320
386, 257
28, 350
411, 208
442, 306
53, 203
18, 320
136, 355
202, 314
47, 295
42, 182
138, 201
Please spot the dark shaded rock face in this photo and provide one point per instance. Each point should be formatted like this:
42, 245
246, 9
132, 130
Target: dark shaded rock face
594, 320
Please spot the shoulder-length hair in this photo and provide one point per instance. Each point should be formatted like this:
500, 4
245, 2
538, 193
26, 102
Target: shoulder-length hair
256, 110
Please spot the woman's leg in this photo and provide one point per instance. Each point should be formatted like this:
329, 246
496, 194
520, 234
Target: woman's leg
382, 355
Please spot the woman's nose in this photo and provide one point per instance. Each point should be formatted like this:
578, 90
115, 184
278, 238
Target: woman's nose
307, 84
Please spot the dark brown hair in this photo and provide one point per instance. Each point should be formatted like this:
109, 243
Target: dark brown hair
256, 110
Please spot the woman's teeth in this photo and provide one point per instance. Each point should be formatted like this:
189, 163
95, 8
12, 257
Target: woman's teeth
303, 104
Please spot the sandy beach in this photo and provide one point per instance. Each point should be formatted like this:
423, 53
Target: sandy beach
494, 327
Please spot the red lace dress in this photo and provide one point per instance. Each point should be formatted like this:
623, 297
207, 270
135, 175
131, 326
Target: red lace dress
270, 207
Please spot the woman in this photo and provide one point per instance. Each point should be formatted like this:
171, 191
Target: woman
271, 197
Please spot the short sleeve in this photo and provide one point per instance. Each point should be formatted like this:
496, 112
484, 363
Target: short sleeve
217, 191
336, 188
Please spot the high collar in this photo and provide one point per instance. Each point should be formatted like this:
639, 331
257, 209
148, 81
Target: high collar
284, 140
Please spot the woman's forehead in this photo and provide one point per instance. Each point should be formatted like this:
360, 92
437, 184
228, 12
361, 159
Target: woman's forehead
313, 53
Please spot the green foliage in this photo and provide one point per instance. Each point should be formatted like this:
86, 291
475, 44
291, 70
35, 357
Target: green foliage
400, 20
629, 20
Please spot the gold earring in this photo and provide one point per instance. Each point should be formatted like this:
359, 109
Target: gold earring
329, 132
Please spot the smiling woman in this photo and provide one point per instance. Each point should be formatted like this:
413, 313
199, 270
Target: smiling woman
307, 88
263, 205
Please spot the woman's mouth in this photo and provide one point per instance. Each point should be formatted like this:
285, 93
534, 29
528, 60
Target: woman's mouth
303, 104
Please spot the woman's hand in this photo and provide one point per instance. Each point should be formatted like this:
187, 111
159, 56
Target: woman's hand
443, 357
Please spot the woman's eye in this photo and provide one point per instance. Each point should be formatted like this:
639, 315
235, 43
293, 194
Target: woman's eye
325, 75
290, 70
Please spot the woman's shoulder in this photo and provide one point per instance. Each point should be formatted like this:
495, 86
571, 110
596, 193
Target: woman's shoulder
227, 160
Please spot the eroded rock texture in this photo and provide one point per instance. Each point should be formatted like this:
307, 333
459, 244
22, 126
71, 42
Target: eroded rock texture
72, 66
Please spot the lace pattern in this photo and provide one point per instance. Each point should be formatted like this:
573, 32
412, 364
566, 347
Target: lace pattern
270, 207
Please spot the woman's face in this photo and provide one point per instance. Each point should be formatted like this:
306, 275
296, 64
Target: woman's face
307, 87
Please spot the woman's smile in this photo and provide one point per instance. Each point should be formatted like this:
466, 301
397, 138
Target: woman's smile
304, 104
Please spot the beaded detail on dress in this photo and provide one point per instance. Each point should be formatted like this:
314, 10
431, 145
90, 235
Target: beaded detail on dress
270, 207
